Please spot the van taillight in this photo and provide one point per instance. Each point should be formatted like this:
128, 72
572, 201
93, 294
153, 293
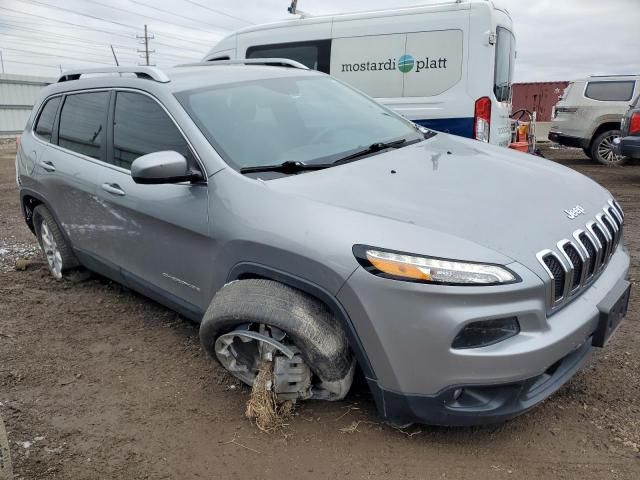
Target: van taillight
482, 119
634, 124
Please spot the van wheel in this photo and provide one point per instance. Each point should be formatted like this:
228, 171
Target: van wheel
250, 322
57, 251
602, 149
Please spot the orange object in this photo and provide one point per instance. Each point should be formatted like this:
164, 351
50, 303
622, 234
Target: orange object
520, 146
398, 269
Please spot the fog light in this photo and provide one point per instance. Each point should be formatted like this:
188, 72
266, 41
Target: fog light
486, 332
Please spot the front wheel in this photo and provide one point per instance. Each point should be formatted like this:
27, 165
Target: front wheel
256, 321
55, 247
602, 149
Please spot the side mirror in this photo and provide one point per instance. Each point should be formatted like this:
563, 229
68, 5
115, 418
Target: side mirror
162, 167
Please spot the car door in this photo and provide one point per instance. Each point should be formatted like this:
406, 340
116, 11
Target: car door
156, 234
69, 171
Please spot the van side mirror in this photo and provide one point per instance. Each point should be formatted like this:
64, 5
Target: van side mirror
162, 167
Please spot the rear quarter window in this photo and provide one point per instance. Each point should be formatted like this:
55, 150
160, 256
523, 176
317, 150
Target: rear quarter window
610, 91
44, 125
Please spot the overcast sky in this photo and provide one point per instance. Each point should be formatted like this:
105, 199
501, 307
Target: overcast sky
556, 39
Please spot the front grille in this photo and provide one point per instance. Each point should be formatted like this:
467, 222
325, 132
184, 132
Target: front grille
602, 238
592, 253
558, 274
581, 259
576, 262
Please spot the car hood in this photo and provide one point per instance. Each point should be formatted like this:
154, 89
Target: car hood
507, 201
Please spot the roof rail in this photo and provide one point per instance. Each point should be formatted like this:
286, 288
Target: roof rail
151, 73
615, 75
283, 62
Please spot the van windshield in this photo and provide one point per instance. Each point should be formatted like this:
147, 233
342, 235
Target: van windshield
505, 60
312, 119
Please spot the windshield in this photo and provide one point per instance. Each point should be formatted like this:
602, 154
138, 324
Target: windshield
293, 119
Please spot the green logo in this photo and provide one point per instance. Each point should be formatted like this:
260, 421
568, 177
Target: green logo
405, 64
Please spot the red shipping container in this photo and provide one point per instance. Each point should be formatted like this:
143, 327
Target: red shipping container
538, 96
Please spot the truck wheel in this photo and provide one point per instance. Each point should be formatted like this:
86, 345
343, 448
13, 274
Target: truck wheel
57, 251
602, 149
253, 321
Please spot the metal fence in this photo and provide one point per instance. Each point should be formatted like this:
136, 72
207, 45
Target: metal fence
539, 97
18, 93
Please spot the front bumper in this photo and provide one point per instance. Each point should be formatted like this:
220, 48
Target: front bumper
407, 329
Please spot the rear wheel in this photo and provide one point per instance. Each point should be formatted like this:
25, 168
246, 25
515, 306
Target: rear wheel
602, 149
55, 247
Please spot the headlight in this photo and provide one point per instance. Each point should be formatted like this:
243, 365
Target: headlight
409, 267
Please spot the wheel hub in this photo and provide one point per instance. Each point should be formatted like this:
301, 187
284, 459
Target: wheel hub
51, 250
243, 352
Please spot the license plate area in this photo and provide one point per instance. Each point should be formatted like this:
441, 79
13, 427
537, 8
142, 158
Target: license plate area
612, 310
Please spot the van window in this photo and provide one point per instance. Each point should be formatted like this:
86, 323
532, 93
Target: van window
610, 91
505, 59
82, 123
141, 126
313, 55
44, 127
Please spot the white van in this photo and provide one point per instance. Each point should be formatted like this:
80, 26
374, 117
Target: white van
446, 66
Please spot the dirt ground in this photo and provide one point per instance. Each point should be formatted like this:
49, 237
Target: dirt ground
97, 382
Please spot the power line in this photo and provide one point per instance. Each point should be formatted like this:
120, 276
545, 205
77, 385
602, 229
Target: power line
114, 22
39, 32
37, 42
219, 12
120, 34
48, 55
30, 63
155, 7
124, 35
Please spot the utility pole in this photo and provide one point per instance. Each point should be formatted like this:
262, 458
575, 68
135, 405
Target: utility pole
2, 61
146, 50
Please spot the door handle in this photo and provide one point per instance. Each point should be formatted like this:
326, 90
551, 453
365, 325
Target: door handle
113, 188
48, 166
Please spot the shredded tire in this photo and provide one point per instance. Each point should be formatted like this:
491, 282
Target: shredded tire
309, 324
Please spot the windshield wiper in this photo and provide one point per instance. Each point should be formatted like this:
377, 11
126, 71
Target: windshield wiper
291, 167
286, 167
373, 148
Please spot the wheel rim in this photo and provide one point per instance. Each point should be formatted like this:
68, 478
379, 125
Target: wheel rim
51, 250
606, 151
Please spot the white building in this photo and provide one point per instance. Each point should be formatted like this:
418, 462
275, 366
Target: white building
18, 93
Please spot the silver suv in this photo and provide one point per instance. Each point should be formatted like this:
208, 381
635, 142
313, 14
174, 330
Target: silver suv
312, 231
589, 114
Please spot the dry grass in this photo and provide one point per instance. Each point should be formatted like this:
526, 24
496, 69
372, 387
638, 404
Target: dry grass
263, 407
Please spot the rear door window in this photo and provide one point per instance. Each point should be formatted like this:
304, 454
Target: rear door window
610, 91
505, 59
44, 126
82, 123
314, 55
141, 126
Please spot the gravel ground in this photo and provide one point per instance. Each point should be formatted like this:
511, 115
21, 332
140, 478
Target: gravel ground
97, 382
